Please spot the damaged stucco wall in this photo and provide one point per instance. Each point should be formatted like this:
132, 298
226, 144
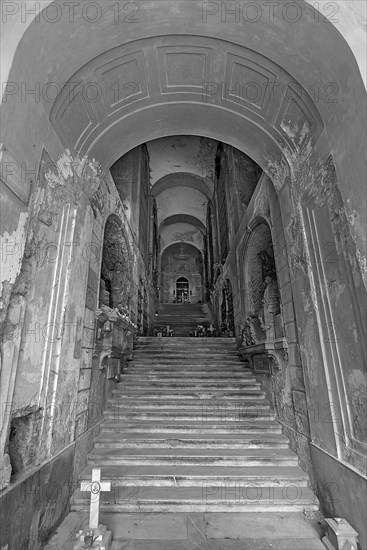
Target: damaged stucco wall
329, 297
343, 133
55, 394
319, 394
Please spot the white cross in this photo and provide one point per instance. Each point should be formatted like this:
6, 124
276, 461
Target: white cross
95, 487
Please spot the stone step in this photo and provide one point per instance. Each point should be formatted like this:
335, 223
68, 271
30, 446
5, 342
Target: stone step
159, 370
250, 427
114, 440
193, 476
180, 367
187, 457
229, 382
183, 344
167, 393
188, 429
186, 351
191, 363
187, 357
198, 499
193, 404
198, 383
194, 362
135, 414
211, 341
184, 377
198, 391
165, 319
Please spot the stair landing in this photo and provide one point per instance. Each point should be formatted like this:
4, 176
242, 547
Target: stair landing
183, 318
195, 531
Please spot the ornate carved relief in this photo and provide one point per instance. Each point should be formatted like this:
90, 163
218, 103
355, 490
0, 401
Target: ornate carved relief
116, 268
227, 316
74, 176
263, 291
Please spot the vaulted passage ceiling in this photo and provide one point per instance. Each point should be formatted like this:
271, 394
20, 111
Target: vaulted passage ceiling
182, 181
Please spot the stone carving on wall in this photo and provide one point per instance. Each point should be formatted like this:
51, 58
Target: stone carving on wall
248, 333
74, 175
267, 264
270, 305
116, 266
263, 292
218, 271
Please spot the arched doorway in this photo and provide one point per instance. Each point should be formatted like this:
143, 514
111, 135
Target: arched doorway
181, 274
182, 290
289, 134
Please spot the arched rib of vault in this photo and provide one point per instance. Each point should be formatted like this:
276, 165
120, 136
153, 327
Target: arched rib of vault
179, 179
225, 76
183, 218
350, 23
311, 51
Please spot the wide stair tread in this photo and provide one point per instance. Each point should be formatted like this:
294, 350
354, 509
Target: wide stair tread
193, 475
114, 440
199, 499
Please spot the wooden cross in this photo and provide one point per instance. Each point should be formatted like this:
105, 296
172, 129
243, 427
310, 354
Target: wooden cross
95, 487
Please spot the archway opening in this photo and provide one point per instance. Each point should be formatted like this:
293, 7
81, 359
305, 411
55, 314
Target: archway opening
182, 290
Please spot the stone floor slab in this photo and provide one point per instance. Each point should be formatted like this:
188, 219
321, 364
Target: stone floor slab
146, 526
197, 531
271, 525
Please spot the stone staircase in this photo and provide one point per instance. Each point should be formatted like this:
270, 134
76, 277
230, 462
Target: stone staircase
189, 430
183, 318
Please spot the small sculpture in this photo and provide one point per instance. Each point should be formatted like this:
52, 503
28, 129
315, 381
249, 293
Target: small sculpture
104, 295
118, 286
270, 304
247, 334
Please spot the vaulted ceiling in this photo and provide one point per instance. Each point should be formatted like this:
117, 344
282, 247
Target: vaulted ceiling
182, 180
276, 90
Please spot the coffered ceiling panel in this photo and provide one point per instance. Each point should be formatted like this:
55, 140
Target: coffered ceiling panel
184, 68
248, 83
124, 80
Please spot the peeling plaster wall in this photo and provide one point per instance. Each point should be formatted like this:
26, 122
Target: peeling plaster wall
59, 390
319, 393
344, 135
